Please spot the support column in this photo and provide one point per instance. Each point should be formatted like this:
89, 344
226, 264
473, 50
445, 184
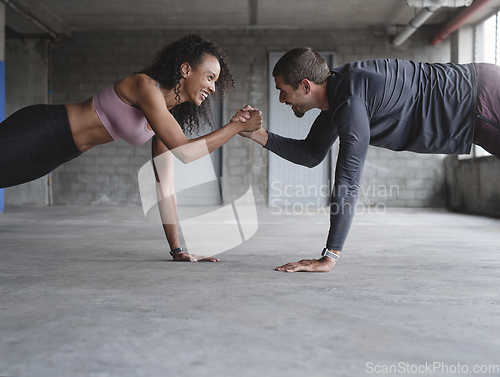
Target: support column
462, 45
462, 52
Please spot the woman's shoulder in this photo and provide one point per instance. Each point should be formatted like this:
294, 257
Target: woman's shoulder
136, 87
138, 81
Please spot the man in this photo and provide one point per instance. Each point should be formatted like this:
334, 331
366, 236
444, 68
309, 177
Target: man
399, 105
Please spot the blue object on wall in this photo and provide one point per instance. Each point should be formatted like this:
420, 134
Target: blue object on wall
2, 114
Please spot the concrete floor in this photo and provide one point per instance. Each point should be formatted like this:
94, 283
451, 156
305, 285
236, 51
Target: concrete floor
92, 292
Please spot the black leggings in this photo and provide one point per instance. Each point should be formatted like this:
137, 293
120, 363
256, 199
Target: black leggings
34, 141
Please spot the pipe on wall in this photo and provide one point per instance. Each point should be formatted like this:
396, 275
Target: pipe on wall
458, 21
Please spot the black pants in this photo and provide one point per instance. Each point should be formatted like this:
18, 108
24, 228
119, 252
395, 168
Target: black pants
34, 141
487, 124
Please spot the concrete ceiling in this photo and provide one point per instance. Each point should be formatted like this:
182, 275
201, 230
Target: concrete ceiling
65, 16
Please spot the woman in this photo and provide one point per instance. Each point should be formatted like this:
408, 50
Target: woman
162, 102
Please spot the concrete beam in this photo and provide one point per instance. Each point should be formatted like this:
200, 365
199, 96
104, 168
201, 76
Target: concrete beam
44, 15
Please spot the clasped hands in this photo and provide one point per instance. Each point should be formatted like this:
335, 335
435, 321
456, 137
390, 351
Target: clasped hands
248, 115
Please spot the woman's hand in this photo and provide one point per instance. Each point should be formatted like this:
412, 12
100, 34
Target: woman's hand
185, 257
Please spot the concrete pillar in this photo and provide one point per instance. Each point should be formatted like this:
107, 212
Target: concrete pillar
462, 52
462, 45
2, 78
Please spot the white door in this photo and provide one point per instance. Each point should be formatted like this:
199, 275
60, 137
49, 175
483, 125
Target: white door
289, 183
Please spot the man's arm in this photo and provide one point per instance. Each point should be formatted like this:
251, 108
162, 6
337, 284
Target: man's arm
352, 124
307, 152
352, 121
260, 136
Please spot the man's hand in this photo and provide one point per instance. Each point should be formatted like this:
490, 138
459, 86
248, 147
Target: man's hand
247, 134
243, 114
250, 120
185, 257
253, 123
324, 264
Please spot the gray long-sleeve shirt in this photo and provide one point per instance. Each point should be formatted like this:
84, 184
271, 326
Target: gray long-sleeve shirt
395, 104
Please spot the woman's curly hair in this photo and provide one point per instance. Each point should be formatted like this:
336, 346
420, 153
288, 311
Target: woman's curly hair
166, 69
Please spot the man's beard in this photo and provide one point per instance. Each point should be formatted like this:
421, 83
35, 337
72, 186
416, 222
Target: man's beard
297, 113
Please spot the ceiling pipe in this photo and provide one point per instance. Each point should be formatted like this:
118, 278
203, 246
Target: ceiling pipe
414, 24
429, 8
458, 21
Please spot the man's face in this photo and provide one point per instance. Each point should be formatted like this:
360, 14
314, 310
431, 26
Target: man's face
294, 98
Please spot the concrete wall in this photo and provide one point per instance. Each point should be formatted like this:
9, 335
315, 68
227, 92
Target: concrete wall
90, 61
26, 72
473, 185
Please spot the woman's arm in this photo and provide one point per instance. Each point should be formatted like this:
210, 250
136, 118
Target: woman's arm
152, 103
167, 201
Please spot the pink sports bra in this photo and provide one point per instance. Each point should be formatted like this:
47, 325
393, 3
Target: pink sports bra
122, 121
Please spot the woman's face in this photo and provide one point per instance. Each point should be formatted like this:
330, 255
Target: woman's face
198, 83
